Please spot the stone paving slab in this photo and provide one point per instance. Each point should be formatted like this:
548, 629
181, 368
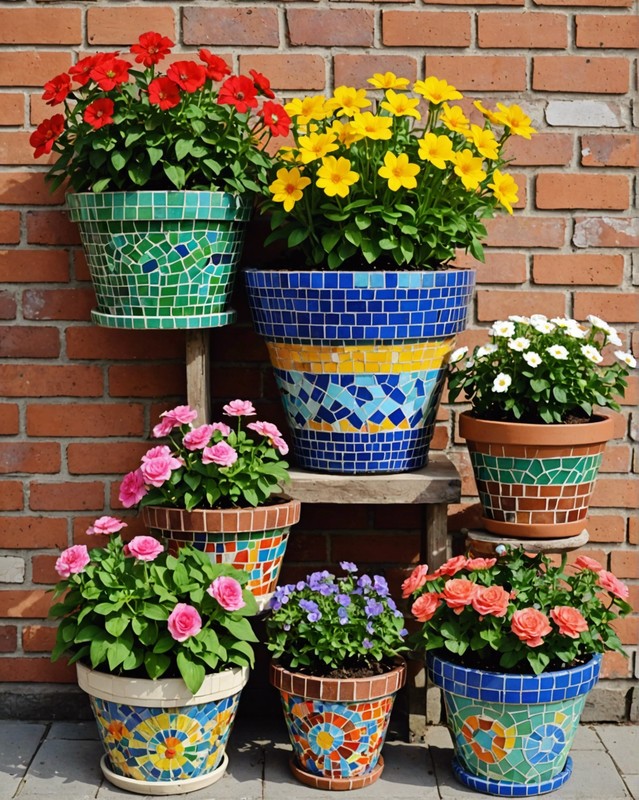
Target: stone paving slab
18, 742
622, 742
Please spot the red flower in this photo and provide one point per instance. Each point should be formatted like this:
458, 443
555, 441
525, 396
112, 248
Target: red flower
164, 92
99, 113
262, 83
151, 48
216, 67
276, 118
81, 71
110, 72
238, 91
45, 135
188, 75
57, 89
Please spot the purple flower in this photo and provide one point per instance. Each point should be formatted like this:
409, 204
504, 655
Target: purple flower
300, 585
367, 644
380, 585
348, 566
317, 579
403, 632
364, 583
369, 628
342, 614
343, 600
373, 608
314, 614
391, 604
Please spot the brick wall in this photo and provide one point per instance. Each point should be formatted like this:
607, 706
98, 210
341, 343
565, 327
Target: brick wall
77, 401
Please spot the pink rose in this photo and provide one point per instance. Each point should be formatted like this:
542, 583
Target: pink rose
106, 525
183, 622
453, 565
458, 594
198, 438
569, 620
156, 471
584, 562
132, 489
612, 584
227, 592
144, 548
72, 560
480, 563
530, 626
161, 451
222, 427
281, 445
491, 601
415, 580
424, 607
265, 429
221, 454
180, 415
239, 408
163, 428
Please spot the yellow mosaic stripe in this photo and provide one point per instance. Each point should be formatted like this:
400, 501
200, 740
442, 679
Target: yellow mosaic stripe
344, 426
351, 359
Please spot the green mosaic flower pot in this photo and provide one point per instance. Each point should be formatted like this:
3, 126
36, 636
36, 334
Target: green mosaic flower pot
163, 259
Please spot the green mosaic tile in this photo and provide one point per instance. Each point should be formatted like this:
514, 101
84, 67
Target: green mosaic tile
536, 471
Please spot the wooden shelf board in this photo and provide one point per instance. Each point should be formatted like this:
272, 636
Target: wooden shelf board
483, 543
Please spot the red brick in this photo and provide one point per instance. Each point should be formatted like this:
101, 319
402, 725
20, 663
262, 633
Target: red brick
124, 24
495, 304
354, 70
587, 190
344, 27
351, 518
66, 496
615, 665
606, 528
479, 3
307, 547
8, 638
36, 670
11, 495
38, 638
371, 547
40, 26
627, 629
587, 74
63, 304
611, 306
520, 231
9, 227
11, 108
51, 381
105, 458
606, 232
578, 268
633, 530
43, 569
524, 31
568, 3
616, 493
224, 25
41, 457
35, 533
8, 305
32, 67
27, 188
34, 266
29, 341
15, 150
499, 267
51, 227
9, 419
143, 380
426, 28
606, 30
85, 419
288, 71
543, 149
625, 563
91, 342
617, 458
480, 73
610, 150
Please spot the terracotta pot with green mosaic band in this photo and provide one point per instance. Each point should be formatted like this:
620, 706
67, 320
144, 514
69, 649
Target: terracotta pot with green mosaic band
535, 481
251, 539
161, 259
512, 733
337, 726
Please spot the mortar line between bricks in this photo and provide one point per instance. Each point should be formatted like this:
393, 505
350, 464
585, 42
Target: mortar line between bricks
35, 753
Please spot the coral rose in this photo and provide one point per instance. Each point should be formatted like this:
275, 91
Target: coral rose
458, 593
530, 626
144, 548
184, 622
453, 565
72, 560
480, 563
569, 620
584, 562
612, 584
491, 601
424, 607
228, 593
415, 580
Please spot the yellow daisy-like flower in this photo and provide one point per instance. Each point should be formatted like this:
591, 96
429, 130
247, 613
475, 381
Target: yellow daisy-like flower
369, 126
469, 169
505, 189
315, 146
288, 186
515, 119
398, 171
485, 142
343, 132
453, 118
491, 116
400, 105
436, 149
306, 109
437, 91
287, 154
335, 176
388, 80
348, 100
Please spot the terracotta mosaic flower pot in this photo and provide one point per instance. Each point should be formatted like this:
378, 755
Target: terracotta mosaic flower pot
512, 733
161, 259
158, 737
337, 726
359, 358
535, 481
251, 539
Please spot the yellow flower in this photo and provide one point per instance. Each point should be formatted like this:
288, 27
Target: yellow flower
343, 132
453, 118
515, 119
437, 91
436, 149
485, 142
368, 126
388, 81
317, 145
287, 154
398, 171
287, 188
348, 100
490, 115
400, 105
469, 169
307, 108
335, 176
505, 189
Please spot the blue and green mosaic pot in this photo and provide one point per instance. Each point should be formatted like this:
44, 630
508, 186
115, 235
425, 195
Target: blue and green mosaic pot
161, 259
360, 360
512, 733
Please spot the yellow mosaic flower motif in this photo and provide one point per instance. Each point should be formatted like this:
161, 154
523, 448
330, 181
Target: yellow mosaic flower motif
369, 126
306, 109
316, 145
398, 171
348, 100
335, 176
436, 149
288, 187
453, 118
485, 142
514, 118
437, 91
388, 80
505, 189
469, 169
400, 105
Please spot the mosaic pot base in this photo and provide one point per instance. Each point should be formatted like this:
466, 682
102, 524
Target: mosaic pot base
162, 788
535, 481
512, 733
158, 259
359, 359
251, 539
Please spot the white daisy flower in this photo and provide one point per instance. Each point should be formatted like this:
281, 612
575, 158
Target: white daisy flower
591, 353
517, 318
558, 351
502, 382
502, 328
532, 359
519, 344
486, 350
458, 355
543, 327
576, 331
612, 337
563, 322
597, 322
627, 358
537, 318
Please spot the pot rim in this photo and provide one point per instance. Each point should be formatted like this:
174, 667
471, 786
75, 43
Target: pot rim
476, 429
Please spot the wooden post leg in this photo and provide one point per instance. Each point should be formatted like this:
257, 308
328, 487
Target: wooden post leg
437, 536
197, 374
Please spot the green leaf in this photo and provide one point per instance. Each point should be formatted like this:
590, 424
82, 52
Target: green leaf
118, 159
101, 185
175, 174
183, 148
155, 154
331, 238
156, 664
297, 236
117, 625
193, 674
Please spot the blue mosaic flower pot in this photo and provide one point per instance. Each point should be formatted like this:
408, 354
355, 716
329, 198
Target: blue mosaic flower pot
360, 360
512, 733
161, 259
158, 737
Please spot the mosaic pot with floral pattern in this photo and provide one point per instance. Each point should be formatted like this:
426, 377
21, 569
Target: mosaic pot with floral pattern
158, 737
512, 733
337, 726
535, 481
